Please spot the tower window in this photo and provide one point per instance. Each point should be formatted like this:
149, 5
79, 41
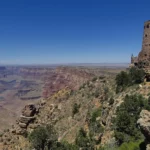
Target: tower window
148, 26
145, 35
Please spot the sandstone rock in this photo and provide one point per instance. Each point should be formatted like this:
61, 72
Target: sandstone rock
105, 105
29, 110
148, 147
20, 131
59, 107
22, 125
98, 118
42, 102
25, 120
98, 137
144, 123
33, 126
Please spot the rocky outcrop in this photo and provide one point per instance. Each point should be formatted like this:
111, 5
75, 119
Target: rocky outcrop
27, 116
144, 123
24, 124
29, 110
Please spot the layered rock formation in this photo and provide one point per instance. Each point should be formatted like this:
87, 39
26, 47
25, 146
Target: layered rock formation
52, 79
35, 72
27, 116
19, 129
63, 77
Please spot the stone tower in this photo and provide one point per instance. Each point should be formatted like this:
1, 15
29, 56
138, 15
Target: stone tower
144, 55
143, 59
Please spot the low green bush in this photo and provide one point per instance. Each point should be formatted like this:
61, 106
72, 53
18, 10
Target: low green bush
94, 79
138, 145
75, 109
125, 79
83, 141
111, 101
125, 126
66, 146
96, 113
43, 137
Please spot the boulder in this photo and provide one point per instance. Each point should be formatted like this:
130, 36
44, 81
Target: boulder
43, 102
22, 125
29, 110
26, 120
144, 123
20, 131
148, 147
33, 126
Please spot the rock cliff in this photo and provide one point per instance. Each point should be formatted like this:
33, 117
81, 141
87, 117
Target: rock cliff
144, 123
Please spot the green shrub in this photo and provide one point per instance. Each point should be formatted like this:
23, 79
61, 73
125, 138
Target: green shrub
75, 109
25, 134
136, 75
125, 79
83, 141
1, 134
109, 148
95, 128
138, 145
101, 77
127, 114
82, 86
66, 146
96, 94
43, 137
94, 79
132, 146
96, 113
122, 81
111, 101
149, 100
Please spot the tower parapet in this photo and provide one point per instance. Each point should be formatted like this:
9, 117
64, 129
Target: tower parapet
134, 60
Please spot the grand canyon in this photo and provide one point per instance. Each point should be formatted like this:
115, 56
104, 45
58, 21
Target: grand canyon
20, 86
74, 75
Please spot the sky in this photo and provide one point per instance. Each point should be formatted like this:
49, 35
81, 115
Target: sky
71, 31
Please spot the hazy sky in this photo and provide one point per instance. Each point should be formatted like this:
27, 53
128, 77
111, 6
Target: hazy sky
71, 31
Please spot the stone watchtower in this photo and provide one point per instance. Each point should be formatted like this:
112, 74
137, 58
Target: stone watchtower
143, 59
144, 55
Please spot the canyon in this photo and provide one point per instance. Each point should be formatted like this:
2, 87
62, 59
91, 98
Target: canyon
22, 85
